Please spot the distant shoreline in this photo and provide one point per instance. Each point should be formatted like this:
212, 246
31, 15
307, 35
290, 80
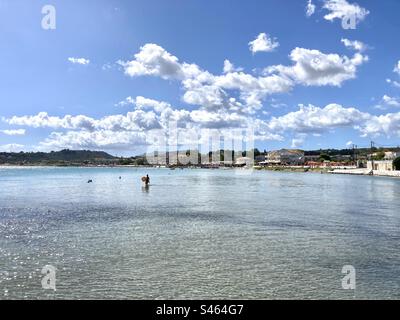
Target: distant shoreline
327, 170
69, 166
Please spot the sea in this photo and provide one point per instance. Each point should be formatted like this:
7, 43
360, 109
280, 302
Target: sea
197, 234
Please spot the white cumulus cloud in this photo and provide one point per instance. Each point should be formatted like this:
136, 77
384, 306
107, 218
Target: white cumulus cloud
149, 121
17, 132
200, 86
229, 67
310, 9
158, 106
126, 102
312, 119
342, 9
315, 68
235, 90
355, 45
97, 140
263, 43
156, 61
11, 147
394, 83
383, 125
81, 61
391, 101
397, 68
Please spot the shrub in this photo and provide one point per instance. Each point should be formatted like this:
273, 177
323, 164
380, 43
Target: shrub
396, 163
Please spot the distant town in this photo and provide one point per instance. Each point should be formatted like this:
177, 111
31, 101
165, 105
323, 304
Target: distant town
357, 161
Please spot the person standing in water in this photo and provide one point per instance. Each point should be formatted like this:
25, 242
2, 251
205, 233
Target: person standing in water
146, 180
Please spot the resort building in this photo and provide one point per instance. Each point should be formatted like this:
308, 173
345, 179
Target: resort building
286, 157
388, 155
384, 165
312, 158
260, 158
244, 161
391, 155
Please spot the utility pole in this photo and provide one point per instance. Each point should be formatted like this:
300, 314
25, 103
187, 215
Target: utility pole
372, 156
354, 153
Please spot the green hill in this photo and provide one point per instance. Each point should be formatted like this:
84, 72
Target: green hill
63, 157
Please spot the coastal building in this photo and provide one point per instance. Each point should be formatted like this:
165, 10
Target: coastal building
342, 157
384, 165
286, 157
313, 164
244, 161
312, 158
226, 163
260, 158
157, 158
390, 155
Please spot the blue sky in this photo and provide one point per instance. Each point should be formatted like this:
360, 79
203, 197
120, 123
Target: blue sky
68, 87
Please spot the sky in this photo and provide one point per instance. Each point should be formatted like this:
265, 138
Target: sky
119, 75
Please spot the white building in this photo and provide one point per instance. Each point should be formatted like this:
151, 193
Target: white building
384, 165
391, 155
244, 161
286, 157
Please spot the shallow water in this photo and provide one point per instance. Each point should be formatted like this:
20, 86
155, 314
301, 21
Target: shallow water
197, 234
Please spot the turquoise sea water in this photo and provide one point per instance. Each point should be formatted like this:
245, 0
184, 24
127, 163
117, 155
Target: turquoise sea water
197, 234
